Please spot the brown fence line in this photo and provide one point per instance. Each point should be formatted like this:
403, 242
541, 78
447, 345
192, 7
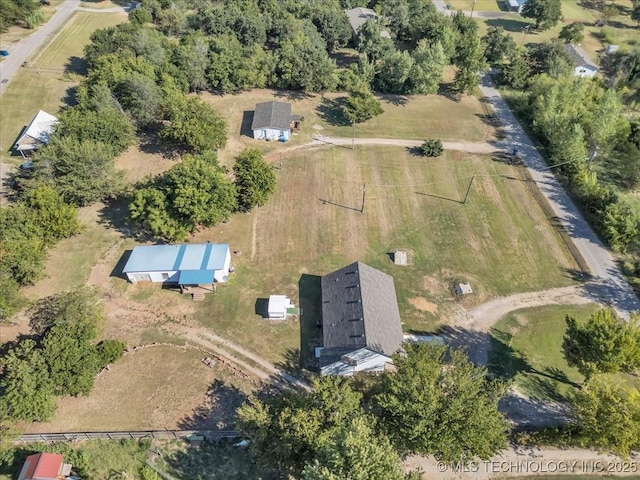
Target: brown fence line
126, 435
555, 222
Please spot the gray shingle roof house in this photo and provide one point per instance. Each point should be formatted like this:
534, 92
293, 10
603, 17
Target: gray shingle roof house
358, 16
359, 311
273, 121
584, 66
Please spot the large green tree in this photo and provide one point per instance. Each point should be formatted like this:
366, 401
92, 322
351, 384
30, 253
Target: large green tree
361, 106
194, 125
446, 407
546, 13
607, 416
255, 179
499, 45
602, 344
288, 430
354, 451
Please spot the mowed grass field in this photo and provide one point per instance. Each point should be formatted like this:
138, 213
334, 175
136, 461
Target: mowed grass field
44, 85
526, 346
412, 117
500, 241
621, 30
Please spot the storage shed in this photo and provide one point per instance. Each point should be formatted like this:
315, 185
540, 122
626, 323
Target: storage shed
274, 121
186, 264
278, 307
44, 466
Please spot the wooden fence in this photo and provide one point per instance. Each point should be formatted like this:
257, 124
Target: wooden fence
151, 434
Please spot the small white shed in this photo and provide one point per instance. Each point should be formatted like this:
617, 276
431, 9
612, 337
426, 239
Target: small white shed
463, 288
278, 306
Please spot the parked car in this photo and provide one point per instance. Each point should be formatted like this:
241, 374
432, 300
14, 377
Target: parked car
4, 53
45, 2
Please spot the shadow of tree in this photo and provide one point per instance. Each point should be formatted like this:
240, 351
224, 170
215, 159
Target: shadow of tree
293, 94
511, 25
396, 100
115, 214
77, 65
292, 364
332, 111
218, 411
215, 460
448, 91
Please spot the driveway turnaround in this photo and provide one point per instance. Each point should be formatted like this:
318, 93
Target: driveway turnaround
607, 284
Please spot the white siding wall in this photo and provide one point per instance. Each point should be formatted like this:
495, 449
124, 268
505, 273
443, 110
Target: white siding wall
156, 277
271, 134
223, 275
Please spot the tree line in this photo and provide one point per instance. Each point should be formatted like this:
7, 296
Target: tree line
435, 403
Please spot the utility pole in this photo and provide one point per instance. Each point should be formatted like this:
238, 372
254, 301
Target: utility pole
364, 191
473, 7
469, 189
593, 155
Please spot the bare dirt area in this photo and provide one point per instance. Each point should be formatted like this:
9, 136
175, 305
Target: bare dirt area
154, 388
140, 162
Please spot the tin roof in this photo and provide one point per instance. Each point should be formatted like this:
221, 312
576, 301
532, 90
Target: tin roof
41, 466
37, 132
168, 258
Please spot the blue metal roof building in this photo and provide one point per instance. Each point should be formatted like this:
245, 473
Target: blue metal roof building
186, 264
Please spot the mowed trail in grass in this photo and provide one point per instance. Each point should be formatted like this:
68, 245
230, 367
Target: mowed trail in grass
500, 240
43, 85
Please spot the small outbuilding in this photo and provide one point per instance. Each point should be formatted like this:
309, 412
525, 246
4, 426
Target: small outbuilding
36, 134
584, 66
279, 307
463, 288
44, 466
274, 121
187, 265
399, 257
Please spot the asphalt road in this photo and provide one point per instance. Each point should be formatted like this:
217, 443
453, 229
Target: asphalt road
608, 284
21, 51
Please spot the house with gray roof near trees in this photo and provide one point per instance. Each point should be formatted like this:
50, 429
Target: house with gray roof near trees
359, 15
584, 66
274, 121
361, 325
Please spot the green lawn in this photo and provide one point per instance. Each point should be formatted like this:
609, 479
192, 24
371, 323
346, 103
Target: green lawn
527, 347
500, 240
44, 85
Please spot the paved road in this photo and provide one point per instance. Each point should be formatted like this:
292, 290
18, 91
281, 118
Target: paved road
608, 284
24, 49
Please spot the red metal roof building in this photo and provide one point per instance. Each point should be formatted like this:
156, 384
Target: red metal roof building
42, 466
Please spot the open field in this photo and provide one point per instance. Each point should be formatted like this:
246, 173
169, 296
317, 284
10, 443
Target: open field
480, 5
153, 388
527, 346
500, 240
439, 117
621, 30
44, 85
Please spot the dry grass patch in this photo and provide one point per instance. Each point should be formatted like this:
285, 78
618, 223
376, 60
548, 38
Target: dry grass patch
154, 388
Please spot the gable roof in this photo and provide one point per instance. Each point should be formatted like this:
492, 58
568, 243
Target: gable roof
41, 466
360, 309
37, 132
171, 258
359, 15
276, 115
579, 56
